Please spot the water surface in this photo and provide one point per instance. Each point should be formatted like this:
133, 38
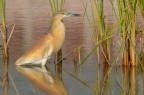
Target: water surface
32, 19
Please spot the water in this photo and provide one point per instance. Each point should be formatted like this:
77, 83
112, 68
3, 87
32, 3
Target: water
32, 18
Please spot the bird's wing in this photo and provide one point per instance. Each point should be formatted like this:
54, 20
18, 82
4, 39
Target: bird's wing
38, 51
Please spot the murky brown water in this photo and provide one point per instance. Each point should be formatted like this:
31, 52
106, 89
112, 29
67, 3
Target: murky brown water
32, 18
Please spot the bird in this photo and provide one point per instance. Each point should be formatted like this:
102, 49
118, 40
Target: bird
49, 44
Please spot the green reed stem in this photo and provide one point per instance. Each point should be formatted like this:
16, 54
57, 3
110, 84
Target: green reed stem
2, 7
56, 5
92, 29
62, 3
108, 35
128, 12
98, 8
114, 9
51, 6
4, 37
141, 6
92, 26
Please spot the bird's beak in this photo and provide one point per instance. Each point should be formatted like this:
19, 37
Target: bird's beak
72, 14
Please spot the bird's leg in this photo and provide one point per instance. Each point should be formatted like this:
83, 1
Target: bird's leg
44, 62
48, 75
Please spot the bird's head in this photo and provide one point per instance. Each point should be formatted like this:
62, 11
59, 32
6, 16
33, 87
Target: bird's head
62, 14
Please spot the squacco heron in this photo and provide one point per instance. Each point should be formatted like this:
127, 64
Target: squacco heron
49, 44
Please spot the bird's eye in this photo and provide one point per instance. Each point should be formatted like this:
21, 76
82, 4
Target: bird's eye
64, 13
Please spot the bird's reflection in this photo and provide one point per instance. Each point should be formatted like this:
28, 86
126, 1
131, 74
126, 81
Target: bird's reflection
43, 78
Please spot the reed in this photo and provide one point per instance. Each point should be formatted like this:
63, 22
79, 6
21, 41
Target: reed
92, 24
141, 6
108, 36
5, 46
56, 5
141, 55
3, 28
99, 13
128, 12
102, 35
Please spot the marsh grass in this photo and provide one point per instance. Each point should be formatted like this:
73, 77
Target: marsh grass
102, 38
98, 7
5, 46
5, 41
126, 17
141, 6
141, 55
56, 5
128, 12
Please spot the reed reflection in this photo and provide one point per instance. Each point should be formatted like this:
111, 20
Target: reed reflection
44, 79
102, 80
129, 81
6, 81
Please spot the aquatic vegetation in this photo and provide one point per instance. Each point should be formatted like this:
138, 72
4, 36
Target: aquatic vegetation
101, 35
128, 12
141, 6
99, 13
5, 46
97, 10
3, 28
56, 5
126, 17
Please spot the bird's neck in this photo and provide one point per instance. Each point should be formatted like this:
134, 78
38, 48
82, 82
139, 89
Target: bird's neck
57, 27
58, 33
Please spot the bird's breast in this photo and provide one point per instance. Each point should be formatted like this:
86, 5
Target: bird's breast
58, 42
58, 32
